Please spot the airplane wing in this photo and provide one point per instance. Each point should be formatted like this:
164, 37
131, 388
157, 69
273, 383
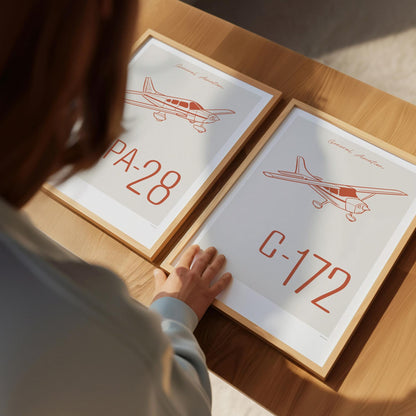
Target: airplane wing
294, 177
374, 191
219, 112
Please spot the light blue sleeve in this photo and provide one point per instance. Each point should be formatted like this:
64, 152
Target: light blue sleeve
100, 352
178, 323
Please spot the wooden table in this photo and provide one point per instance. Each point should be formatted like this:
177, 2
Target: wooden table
376, 374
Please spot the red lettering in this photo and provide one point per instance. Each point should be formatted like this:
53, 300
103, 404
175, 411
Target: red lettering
158, 167
127, 161
111, 149
332, 292
273, 252
165, 187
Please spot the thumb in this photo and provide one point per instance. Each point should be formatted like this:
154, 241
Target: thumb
160, 277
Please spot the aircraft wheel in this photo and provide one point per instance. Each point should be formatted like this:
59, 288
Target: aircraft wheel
159, 116
317, 204
199, 129
351, 217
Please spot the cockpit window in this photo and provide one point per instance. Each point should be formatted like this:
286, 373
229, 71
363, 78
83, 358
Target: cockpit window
184, 104
351, 192
332, 190
195, 106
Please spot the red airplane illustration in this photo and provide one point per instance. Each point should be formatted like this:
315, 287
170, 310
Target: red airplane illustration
163, 104
342, 196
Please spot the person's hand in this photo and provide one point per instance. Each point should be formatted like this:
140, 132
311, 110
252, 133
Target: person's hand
191, 281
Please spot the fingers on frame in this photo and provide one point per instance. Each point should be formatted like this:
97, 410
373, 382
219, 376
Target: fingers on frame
221, 284
203, 259
214, 267
188, 256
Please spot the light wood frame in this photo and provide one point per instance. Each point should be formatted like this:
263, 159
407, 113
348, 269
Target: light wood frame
318, 370
154, 250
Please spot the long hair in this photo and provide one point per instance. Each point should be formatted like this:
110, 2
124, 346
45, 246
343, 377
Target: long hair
61, 63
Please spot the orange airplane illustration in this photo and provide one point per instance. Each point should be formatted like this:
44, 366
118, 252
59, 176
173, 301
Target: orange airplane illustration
162, 104
342, 196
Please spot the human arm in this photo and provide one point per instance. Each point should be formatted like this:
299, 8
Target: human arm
182, 299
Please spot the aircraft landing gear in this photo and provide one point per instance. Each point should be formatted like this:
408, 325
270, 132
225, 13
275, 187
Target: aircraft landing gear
199, 128
319, 205
350, 217
159, 116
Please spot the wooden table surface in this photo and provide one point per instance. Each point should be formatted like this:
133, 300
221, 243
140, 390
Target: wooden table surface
376, 373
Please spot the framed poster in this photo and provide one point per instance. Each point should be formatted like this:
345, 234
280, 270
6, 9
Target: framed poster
310, 225
185, 117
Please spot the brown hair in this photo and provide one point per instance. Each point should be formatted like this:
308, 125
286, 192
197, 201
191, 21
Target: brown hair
60, 62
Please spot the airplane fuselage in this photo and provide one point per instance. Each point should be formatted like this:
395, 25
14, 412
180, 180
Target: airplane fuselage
162, 104
343, 198
184, 108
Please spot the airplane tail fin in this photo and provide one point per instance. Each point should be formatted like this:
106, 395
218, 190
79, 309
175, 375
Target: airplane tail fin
148, 86
301, 170
301, 167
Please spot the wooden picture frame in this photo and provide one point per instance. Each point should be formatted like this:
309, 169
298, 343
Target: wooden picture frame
173, 148
305, 266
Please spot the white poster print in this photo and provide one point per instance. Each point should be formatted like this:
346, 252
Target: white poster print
182, 117
311, 221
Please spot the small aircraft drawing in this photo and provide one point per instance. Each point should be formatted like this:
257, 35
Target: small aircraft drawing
162, 104
342, 196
